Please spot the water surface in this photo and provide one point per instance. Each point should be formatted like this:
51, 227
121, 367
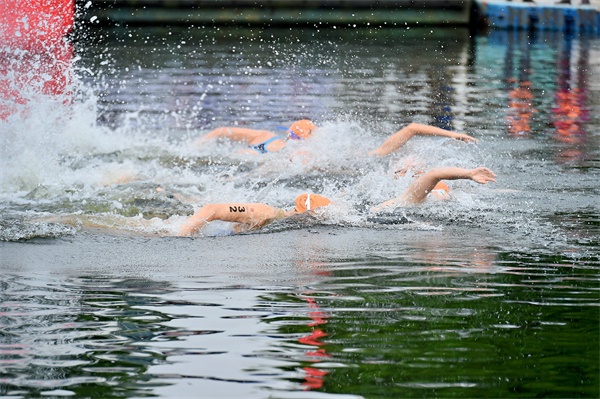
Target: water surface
494, 294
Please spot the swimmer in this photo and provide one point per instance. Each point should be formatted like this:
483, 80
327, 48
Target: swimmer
260, 141
431, 183
249, 216
264, 141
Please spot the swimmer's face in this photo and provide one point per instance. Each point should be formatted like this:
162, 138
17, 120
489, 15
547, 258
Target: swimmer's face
301, 130
293, 136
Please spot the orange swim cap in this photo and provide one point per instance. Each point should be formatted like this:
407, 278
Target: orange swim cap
308, 202
441, 186
302, 128
441, 191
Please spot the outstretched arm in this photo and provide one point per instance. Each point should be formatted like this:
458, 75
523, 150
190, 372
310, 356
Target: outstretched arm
253, 215
398, 139
249, 136
418, 190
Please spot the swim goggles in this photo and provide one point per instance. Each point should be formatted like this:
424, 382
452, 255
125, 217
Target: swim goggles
290, 134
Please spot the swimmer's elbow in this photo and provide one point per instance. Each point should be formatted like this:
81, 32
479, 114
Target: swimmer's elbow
378, 152
185, 232
189, 229
415, 128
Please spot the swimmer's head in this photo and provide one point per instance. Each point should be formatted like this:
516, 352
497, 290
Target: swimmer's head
441, 191
301, 129
441, 186
309, 202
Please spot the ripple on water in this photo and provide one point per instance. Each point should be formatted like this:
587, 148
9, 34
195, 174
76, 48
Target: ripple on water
492, 294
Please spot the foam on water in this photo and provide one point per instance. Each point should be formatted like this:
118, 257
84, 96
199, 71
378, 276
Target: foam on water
109, 147
13, 230
59, 160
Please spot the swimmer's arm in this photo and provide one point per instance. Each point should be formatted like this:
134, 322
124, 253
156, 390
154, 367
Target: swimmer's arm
398, 139
249, 136
418, 190
254, 215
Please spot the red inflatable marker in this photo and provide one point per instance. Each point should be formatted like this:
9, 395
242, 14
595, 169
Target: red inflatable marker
35, 56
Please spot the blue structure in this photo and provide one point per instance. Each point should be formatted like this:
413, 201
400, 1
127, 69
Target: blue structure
506, 15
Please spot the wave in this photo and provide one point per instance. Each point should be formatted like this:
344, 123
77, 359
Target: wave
13, 230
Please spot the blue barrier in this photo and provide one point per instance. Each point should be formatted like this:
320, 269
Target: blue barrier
504, 15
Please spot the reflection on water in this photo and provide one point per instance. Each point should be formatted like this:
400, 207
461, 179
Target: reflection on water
385, 318
534, 70
495, 295
205, 78
314, 376
572, 111
59, 334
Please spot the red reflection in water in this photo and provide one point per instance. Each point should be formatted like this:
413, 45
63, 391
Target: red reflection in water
571, 111
569, 114
312, 338
314, 377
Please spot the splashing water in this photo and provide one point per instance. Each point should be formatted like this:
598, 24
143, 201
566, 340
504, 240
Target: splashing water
499, 283
117, 144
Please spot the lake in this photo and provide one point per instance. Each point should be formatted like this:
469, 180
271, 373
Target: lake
494, 293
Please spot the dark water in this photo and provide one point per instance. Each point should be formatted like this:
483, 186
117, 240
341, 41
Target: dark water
494, 294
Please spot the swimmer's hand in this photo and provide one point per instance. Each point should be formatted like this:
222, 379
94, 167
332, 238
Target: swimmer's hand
482, 175
464, 137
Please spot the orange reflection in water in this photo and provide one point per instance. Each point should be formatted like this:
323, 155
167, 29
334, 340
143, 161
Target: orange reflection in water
478, 259
569, 114
571, 111
520, 113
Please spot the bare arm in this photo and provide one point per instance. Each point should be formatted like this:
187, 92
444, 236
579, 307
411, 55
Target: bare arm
253, 215
418, 190
398, 139
249, 136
